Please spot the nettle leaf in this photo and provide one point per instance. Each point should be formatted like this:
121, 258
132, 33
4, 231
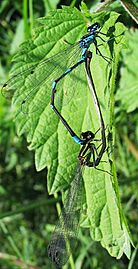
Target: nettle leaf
128, 92
46, 135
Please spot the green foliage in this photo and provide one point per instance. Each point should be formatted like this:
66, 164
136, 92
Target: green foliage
19, 188
53, 145
55, 149
129, 87
49, 5
42, 127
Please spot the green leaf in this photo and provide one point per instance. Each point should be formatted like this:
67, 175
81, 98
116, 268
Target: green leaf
46, 135
128, 92
18, 37
49, 5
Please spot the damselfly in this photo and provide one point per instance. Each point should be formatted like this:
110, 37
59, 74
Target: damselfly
89, 150
33, 81
64, 237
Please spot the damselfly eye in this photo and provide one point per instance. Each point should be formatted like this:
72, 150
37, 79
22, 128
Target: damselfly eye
93, 27
87, 135
90, 135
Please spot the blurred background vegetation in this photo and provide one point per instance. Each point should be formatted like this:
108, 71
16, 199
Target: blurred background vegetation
25, 219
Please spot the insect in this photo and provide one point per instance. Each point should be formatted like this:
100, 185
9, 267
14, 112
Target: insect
32, 82
64, 237
84, 43
89, 149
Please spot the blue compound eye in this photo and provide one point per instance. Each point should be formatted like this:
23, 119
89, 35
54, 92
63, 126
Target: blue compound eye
93, 27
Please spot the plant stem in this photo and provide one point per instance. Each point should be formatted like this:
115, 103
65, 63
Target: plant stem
104, 5
10, 239
28, 207
25, 18
31, 14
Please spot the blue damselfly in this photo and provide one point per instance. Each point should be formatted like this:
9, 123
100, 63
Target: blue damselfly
64, 237
33, 81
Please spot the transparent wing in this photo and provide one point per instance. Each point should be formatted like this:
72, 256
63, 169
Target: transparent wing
64, 237
31, 84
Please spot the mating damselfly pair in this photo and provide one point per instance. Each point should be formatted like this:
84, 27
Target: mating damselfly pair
77, 54
65, 234
64, 238
38, 78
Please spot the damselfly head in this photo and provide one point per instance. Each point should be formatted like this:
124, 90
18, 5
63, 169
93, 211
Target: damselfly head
93, 27
88, 136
